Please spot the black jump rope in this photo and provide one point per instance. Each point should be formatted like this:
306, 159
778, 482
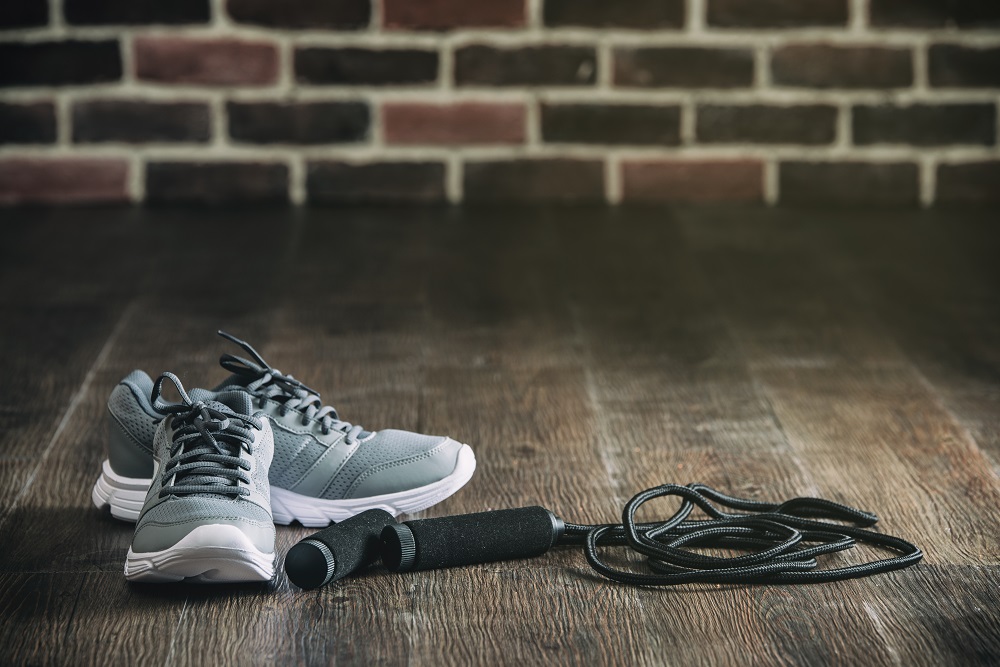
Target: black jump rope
779, 543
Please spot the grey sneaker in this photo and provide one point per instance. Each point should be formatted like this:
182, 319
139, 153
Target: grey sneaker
325, 469
207, 516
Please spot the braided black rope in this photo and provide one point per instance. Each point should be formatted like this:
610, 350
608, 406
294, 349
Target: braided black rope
780, 542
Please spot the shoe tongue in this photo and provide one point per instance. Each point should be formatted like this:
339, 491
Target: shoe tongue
237, 401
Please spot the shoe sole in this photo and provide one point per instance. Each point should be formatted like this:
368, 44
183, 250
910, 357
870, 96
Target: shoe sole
212, 554
288, 506
126, 495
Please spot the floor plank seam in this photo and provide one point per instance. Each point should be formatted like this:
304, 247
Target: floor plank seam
71, 408
173, 637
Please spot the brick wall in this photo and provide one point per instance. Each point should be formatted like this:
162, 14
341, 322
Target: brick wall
801, 101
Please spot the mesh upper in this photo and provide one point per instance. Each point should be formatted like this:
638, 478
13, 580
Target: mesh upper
385, 447
124, 405
190, 508
294, 455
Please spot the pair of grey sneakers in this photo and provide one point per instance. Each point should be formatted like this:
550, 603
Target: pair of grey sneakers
207, 478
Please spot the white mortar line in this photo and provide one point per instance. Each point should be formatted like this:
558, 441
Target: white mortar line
762, 67
446, 67
536, 18
696, 33
297, 179
136, 179
857, 21
219, 137
281, 152
612, 179
774, 96
453, 178
689, 122
996, 135
920, 68
64, 120
57, 20
532, 121
928, 178
695, 23
604, 77
845, 131
771, 182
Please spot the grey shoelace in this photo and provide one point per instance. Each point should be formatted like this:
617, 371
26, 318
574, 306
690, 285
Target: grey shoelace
266, 382
207, 441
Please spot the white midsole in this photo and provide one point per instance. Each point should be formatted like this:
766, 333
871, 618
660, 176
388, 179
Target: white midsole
215, 553
126, 496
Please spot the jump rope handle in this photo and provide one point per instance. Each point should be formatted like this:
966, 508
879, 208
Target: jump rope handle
337, 551
485, 537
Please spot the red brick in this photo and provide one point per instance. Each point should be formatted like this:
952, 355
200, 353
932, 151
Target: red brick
683, 67
957, 66
60, 63
63, 181
223, 62
23, 13
33, 123
621, 124
833, 66
365, 67
969, 183
303, 14
849, 183
539, 65
534, 181
377, 182
635, 14
935, 13
776, 13
448, 14
661, 181
767, 124
215, 183
461, 123
138, 121
925, 124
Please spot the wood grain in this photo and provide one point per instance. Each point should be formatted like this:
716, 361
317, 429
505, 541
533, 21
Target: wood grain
585, 354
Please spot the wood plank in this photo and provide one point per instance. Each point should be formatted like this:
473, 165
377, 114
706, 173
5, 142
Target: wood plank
935, 291
53, 328
862, 414
585, 355
681, 406
85, 618
855, 413
502, 369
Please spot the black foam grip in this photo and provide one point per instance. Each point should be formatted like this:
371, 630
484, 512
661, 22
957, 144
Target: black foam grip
350, 545
476, 538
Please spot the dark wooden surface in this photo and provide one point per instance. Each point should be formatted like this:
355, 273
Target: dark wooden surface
586, 355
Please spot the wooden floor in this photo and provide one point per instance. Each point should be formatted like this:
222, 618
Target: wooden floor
585, 355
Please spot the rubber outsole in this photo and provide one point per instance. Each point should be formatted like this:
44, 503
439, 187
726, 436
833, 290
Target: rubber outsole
125, 496
212, 554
